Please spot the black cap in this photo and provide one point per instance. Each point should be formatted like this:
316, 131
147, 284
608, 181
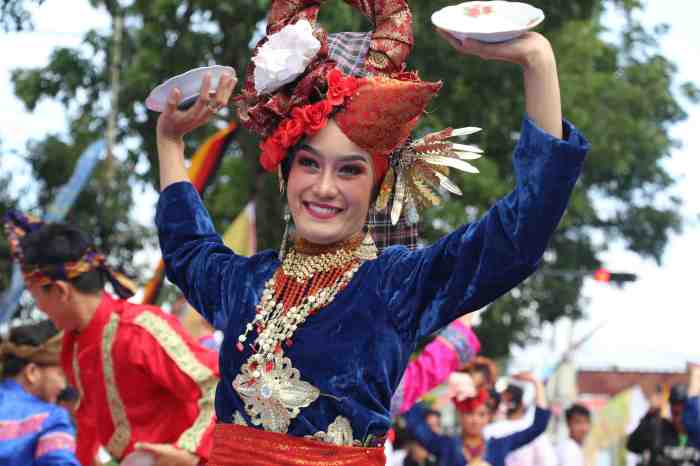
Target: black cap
678, 394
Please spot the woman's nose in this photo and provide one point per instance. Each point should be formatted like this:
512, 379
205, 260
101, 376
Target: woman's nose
326, 187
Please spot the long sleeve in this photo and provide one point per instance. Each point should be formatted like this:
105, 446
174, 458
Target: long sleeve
171, 359
478, 262
196, 259
445, 449
452, 348
87, 441
56, 445
641, 438
509, 443
691, 419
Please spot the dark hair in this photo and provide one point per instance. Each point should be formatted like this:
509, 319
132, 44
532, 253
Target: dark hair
516, 394
68, 395
27, 335
58, 243
678, 394
433, 412
577, 409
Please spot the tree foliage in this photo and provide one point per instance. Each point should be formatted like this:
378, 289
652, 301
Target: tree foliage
618, 94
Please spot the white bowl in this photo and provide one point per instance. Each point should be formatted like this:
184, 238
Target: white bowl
488, 21
139, 458
189, 84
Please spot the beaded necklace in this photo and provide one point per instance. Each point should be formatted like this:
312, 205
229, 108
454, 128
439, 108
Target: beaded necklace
308, 279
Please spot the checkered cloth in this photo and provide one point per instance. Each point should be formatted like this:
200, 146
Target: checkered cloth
349, 50
385, 234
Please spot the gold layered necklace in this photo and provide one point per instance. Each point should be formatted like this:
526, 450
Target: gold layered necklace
309, 279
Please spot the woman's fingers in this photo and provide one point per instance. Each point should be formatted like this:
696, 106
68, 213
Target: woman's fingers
224, 91
452, 40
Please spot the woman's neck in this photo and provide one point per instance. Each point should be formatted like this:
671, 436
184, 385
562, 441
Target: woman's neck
306, 247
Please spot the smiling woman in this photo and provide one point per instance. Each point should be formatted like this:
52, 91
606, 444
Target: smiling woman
317, 337
329, 187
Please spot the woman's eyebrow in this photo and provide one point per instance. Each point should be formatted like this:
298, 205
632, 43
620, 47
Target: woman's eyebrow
344, 158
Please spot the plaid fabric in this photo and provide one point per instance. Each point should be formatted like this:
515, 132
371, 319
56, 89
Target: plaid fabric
385, 234
349, 50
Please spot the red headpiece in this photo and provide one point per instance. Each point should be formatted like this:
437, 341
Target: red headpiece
300, 77
379, 109
470, 404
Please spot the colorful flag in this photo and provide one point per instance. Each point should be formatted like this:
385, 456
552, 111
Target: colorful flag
240, 236
65, 198
204, 164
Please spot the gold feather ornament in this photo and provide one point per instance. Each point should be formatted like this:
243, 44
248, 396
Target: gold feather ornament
419, 170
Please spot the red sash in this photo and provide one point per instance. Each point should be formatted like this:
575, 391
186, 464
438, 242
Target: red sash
236, 445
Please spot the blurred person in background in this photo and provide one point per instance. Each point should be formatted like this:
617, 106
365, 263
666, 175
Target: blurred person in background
471, 447
578, 421
539, 452
670, 442
34, 431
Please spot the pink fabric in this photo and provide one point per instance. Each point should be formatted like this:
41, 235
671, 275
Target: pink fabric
435, 364
10, 430
53, 442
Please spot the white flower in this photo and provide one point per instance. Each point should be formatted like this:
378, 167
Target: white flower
285, 56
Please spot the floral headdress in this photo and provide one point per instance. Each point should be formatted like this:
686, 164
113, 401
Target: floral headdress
18, 225
299, 77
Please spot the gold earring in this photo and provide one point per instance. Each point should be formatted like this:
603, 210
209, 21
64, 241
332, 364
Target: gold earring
367, 250
283, 246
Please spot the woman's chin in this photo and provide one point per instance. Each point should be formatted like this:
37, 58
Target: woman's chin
320, 236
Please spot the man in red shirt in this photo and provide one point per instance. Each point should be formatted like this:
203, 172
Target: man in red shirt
144, 382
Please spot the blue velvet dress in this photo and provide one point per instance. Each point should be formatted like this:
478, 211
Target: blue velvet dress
356, 348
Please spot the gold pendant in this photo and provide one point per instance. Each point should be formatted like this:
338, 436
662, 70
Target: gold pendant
339, 433
273, 392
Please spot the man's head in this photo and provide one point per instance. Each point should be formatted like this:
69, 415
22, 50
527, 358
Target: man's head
676, 399
31, 356
578, 420
49, 248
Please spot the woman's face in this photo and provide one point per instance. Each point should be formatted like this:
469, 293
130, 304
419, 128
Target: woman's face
474, 422
329, 187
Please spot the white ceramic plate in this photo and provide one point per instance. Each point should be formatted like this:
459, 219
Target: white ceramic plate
488, 21
139, 458
189, 84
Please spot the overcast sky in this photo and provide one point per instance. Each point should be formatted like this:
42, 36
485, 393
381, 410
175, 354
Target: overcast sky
652, 323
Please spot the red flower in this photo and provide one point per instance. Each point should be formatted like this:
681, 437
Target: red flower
289, 132
314, 116
340, 87
272, 154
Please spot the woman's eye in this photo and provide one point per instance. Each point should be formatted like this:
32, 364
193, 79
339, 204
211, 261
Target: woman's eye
352, 170
307, 162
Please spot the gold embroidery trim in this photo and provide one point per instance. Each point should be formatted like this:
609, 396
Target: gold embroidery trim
186, 361
76, 375
122, 430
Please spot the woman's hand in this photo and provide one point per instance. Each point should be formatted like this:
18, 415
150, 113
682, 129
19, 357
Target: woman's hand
173, 124
534, 53
460, 386
525, 50
168, 455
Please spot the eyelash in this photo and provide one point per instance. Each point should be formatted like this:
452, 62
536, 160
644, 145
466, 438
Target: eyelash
345, 170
